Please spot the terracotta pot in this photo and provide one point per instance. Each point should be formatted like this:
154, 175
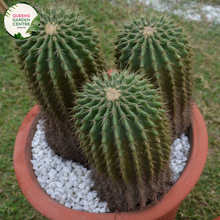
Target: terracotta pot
166, 209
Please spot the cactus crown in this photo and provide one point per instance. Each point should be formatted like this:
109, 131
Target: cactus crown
123, 129
154, 45
59, 58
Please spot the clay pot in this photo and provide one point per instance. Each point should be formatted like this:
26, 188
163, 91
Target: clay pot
165, 209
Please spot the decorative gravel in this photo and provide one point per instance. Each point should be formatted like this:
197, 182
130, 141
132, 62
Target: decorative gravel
179, 156
69, 183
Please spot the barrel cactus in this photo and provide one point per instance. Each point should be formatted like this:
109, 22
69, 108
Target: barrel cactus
62, 55
124, 133
154, 45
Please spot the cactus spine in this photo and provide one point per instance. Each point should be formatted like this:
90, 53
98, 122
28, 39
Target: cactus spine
124, 133
154, 45
62, 55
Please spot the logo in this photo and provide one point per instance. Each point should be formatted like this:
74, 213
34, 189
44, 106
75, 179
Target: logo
21, 20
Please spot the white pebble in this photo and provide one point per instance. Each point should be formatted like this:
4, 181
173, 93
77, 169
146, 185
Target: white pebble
79, 208
60, 190
80, 194
69, 185
66, 169
59, 184
102, 210
82, 185
61, 202
85, 208
68, 205
178, 161
58, 168
85, 203
90, 196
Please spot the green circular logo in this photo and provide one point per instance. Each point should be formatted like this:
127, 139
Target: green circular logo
21, 20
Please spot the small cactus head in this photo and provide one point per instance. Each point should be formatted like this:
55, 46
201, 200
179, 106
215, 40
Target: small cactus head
124, 131
155, 45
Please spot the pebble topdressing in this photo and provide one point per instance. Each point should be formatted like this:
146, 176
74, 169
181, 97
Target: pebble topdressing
69, 183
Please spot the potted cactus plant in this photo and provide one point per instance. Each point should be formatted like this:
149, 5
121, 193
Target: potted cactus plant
120, 124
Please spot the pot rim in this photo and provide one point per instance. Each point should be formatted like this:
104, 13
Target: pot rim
51, 209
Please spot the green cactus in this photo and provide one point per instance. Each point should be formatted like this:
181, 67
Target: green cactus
124, 131
62, 55
154, 45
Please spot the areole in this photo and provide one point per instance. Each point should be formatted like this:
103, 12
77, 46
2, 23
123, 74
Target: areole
165, 209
